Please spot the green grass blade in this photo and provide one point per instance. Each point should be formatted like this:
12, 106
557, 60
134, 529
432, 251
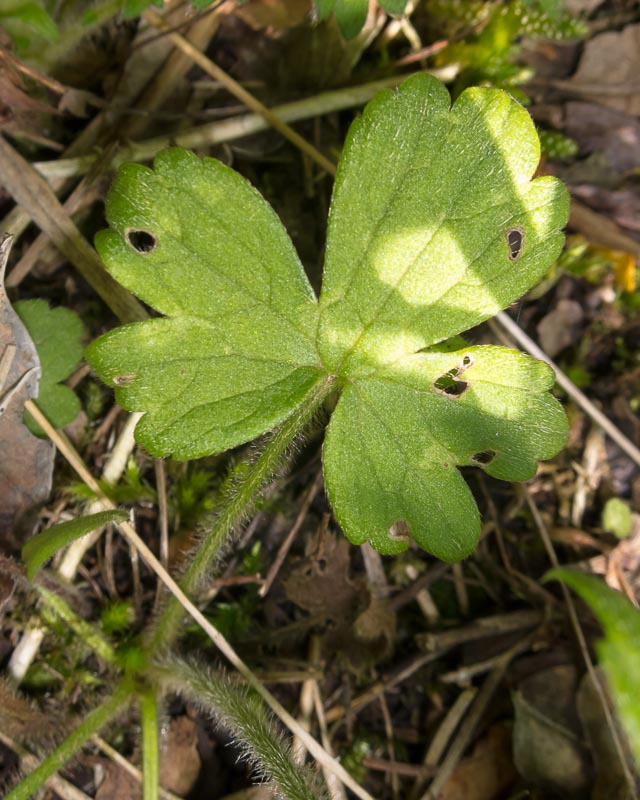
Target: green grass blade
44, 545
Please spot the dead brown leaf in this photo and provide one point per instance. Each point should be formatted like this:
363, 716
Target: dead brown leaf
26, 462
487, 773
548, 750
117, 783
609, 70
561, 327
362, 627
180, 762
20, 114
320, 583
597, 129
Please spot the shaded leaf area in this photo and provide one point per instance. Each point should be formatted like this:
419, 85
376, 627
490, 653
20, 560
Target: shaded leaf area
44, 545
57, 334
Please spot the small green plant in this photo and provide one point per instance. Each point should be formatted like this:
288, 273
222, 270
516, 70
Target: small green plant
435, 226
485, 37
57, 334
351, 15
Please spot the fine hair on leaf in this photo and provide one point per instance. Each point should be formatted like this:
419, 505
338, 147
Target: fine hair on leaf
241, 712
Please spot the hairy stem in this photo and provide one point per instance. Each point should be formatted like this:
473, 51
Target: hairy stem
236, 507
243, 713
91, 724
150, 744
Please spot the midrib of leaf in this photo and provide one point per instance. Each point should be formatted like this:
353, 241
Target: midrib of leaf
398, 188
235, 280
445, 217
392, 197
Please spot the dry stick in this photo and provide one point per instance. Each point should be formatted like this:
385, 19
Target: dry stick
336, 789
582, 643
200, 30
113, 469
80, 198
380, 687
578, 397
241, 93
30, 190
128, 531
227, 130
161, 489
601, 229
441, 739
466, 732
288, 541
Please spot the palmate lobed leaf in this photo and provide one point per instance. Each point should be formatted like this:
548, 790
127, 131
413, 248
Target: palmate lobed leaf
236, 352
435, 226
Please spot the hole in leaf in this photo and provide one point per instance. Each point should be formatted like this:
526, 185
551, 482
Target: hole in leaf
484, 457
467, 361
123, 380
399, 531
447, 384
141, 241
515, 240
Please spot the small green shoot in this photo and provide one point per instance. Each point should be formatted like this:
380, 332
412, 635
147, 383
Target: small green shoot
57, 334
617, 518
435, 226
41, 547
619, 651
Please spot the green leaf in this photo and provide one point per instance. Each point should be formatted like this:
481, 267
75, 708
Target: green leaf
133, 8
41, 547
351, 16
425, 200
425, 240
236, 354
395, 7
396, 439
435, 225
617, 518
33, 16
619, 651
324, 8
57, 334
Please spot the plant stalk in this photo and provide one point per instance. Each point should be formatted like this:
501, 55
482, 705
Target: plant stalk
52, 763
150, 744
236, 507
